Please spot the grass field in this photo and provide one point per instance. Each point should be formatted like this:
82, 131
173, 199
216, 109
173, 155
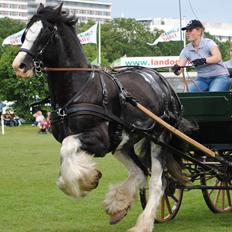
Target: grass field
31, 202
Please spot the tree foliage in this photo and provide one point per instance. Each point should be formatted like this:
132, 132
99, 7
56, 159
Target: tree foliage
120, 37
23, 92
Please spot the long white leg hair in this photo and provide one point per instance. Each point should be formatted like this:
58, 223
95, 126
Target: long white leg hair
120, 197
146, 219
78, 173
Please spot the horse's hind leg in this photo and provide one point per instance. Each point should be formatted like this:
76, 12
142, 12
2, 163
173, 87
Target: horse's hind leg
120, 197
78, 173
146, 219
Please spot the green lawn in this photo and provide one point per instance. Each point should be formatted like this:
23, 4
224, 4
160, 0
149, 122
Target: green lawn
30, 200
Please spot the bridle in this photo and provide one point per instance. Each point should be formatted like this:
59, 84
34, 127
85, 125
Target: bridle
37, 62
37, 56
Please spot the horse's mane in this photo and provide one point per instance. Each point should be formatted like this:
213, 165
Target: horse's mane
54, 15
66, 23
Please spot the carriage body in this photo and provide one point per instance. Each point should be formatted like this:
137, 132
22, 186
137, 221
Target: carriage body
212, 111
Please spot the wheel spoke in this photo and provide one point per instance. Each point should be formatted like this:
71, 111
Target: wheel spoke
162, 208
223, 197
218, 200
228, 197
217, 197
174, 198
168, 205
216, 184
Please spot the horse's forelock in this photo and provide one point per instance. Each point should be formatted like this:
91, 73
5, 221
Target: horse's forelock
53, 16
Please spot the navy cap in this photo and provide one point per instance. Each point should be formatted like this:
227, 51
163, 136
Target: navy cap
193, 24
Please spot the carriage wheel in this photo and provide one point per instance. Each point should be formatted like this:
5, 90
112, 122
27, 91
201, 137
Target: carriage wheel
168, 207
218, 200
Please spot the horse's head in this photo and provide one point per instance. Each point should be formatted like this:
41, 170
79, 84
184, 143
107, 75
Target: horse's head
40, 41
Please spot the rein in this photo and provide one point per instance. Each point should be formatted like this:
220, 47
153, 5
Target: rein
115, 69
46, 69
39, 70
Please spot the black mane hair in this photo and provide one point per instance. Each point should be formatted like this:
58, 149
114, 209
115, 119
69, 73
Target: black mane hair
54, 15
65, 24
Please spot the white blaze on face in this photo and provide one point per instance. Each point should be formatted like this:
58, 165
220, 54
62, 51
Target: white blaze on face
31, 35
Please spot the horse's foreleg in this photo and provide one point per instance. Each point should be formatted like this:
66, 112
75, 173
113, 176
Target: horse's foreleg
78, 173
145, 221
120, 197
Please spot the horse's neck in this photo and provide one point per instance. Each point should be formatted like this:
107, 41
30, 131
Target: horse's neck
72, 50
64, 85
68, 54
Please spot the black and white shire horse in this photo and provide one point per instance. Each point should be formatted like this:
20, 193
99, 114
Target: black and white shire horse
92, 116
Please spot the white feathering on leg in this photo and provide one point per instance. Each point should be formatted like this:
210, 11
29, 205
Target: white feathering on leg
77, 168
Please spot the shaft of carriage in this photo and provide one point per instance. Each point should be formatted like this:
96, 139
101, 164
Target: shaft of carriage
172, 129
178, 133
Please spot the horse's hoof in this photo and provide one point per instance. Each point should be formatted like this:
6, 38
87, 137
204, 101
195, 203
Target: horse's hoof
96, 182
117, 217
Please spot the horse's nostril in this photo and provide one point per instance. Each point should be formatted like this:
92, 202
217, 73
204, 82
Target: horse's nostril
22, 66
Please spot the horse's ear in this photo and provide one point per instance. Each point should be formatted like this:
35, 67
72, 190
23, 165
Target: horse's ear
58, 8
41, 6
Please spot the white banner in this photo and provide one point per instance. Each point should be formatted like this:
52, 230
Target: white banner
89, 36
14, 39
172, 35
151, 62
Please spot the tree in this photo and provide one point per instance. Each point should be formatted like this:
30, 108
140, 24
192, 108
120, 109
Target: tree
23, 92
126, 37
118, 38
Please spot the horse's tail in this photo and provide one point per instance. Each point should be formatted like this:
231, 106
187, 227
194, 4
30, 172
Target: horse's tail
172, 160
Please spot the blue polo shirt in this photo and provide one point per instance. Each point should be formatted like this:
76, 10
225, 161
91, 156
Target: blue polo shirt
190, 53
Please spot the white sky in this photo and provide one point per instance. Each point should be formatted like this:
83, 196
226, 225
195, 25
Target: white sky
209, 10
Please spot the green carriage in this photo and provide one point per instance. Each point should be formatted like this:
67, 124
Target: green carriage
212, 111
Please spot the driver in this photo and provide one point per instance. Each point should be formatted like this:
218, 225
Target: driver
205, 55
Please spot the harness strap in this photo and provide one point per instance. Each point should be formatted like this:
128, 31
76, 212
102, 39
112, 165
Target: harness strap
103, 113
27, 51
76, 96
104, 91
99, 111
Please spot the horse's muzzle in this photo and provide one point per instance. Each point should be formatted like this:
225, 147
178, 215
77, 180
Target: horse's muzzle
21, 68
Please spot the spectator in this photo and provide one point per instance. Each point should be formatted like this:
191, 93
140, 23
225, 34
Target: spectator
10, 119
39, 118
46, 124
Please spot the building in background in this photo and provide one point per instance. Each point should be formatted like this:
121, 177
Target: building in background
101, 11
222, 31
85, 10
14, 9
